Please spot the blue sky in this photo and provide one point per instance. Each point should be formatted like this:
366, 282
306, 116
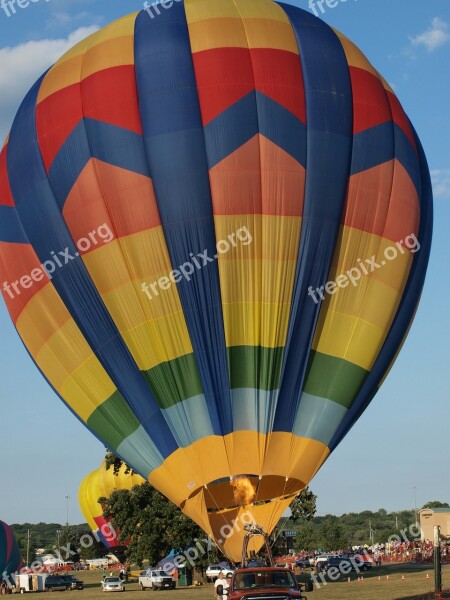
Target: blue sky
403, 438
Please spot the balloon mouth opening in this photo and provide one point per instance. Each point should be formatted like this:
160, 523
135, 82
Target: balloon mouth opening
233, 492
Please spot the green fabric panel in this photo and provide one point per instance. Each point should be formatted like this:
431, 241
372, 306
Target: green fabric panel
113, 420
333, 378
255, 367
174, 381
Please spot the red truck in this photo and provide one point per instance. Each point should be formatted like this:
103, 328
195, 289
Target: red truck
265, 583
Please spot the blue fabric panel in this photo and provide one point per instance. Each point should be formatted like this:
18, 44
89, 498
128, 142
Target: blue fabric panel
241, 122
116, 146
380, 144
11, 230
44, 225
175, 146
329, 126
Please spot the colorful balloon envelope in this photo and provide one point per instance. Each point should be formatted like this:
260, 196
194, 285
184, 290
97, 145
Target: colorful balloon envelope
10, 557
215, 224
101, 483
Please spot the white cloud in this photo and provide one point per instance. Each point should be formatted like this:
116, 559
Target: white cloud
435, 36
441, 183
60, 19
23, 64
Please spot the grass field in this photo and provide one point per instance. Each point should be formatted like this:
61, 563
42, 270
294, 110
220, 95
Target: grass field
394, 588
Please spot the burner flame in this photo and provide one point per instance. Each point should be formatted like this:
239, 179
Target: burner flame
243, 490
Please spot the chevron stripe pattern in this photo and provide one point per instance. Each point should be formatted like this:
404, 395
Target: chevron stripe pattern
173, 133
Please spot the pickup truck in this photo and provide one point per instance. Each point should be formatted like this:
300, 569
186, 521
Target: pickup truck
155, 579
270, 583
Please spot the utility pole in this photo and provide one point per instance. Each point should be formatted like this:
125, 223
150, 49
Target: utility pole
58, 541
28, 547
415, 502
67, 497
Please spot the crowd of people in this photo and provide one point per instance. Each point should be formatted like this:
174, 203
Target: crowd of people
390, 552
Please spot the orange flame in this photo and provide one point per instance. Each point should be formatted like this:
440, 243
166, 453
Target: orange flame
243, 491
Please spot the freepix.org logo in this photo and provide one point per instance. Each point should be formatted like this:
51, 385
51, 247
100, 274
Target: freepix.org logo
57, 260
198, 261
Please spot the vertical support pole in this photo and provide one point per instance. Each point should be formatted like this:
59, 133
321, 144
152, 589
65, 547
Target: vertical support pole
437, 563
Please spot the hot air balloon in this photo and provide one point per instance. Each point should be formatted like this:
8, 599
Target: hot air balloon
215, 225
101, 483
10, 558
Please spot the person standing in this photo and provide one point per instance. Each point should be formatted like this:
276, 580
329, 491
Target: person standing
221, 580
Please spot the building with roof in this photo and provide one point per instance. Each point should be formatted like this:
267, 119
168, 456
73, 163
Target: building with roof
429, 517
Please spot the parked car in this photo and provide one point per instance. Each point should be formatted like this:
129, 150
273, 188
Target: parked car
265, 582
156, 579
212, 572
75, 584
56, 583
303, 562
112, 584
321, 560
346, 564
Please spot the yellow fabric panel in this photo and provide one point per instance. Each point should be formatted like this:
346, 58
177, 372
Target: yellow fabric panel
58, 77
255, 281
195, 508
64, 352
273, 237
188, 469
246, 452
371, 301
213, 457
143, 255
248, 324
199, 10
355, 57
159, 341
355, 320
86, 388
216, 33
223, 33
120, 28
293, 456
153, 326
350, 338
42, 317
130, 307
354, 244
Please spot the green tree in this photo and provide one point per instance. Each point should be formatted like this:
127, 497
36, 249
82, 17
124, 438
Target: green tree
304, 506
150, 524
307, 537
333, 536
436, 504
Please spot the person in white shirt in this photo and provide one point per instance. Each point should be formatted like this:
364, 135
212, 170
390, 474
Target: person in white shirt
220, 581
